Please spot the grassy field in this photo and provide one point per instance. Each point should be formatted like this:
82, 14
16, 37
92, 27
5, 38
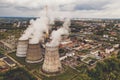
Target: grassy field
1, 77
68, 73
1, 50
22, 61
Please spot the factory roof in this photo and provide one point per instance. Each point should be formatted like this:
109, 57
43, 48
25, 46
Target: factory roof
9, 61
66, 42
1, 55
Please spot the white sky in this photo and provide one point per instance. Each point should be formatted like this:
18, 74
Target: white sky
70, 8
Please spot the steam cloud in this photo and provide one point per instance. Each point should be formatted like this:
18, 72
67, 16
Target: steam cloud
36, 29
40, 26
27, 33
18, 25
56, 35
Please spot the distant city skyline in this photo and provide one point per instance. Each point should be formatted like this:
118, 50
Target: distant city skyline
62, 8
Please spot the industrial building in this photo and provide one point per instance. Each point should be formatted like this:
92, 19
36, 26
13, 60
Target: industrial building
52, 62
34, 53
22, 48
9, 62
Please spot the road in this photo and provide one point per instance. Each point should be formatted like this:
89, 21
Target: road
20, 65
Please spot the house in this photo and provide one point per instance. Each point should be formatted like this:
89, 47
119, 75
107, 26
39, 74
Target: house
67, 55
2, 56
70, 54
116, 46
109, 50
66, 43
63, 57
94, 52
9, 62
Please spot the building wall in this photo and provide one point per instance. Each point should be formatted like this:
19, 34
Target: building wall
22, 48
52, 62
34, 54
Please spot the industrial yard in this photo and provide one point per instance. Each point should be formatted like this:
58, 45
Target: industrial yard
77, 55
54, 46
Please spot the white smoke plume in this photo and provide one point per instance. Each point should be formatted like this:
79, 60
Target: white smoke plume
37, 28
18, 25
40, 26
27, 33
66, 24
56, 35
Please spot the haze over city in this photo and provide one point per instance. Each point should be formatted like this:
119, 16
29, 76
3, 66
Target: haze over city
69, 8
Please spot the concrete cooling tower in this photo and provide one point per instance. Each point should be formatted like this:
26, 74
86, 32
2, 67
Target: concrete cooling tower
52, 62
22, 48
34, 53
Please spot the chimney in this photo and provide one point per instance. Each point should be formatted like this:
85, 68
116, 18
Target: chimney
52, 62
34, 53
22, 48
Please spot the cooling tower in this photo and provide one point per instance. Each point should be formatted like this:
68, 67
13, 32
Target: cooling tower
51, 63
34, 54
22, 48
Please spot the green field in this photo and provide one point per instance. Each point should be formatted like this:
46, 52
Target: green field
67, 74
1, 50
17, 74
22, 61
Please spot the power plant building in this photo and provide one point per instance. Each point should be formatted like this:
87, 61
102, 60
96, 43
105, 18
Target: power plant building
52, 62
22, 48
34, 53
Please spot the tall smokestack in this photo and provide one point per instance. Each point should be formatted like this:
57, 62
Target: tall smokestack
52, 62
34, 54
22, 48
47, 31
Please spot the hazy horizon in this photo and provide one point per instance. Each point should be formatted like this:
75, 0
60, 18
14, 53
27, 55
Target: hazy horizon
70, 8
39, 17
